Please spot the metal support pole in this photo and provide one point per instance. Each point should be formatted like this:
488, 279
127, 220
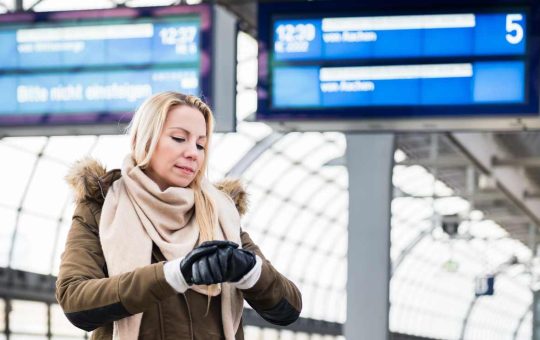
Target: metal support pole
49, 324
7, 311
532, 240
370, 159
536, 294
536, 316
434, 157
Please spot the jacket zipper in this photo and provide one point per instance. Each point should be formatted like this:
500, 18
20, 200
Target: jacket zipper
161, 327
189, 315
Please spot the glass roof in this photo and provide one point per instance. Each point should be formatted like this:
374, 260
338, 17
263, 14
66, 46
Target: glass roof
298, 215
433, 283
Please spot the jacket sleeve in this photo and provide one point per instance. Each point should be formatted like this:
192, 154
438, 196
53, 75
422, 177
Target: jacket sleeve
275, 298
88, 297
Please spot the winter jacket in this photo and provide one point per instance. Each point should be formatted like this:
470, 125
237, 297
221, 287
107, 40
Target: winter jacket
92, 300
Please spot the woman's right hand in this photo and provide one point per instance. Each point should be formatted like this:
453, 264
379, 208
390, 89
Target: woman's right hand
215, 262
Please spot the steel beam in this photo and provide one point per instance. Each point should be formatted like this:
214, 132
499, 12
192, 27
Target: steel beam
21, 203
439, 162
516, 161
31, 8
409, 248
477, 196
467, 317
253, 154
246, 12
304, 325
507, 219
527, 195
482, 148
339, 161
21, 285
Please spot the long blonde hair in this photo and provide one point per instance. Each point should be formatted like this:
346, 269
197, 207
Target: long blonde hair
145, 130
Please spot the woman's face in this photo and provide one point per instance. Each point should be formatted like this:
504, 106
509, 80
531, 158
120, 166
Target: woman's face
180, 150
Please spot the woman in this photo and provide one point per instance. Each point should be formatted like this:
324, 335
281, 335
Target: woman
153, 251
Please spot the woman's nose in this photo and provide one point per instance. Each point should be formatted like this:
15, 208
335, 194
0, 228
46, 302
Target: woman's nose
191, 151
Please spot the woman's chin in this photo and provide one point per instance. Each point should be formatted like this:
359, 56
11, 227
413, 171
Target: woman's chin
182, 182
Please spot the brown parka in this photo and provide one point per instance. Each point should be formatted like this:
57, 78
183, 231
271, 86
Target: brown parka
92, 300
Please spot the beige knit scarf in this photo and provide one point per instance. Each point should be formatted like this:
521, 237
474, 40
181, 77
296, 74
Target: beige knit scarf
136, 213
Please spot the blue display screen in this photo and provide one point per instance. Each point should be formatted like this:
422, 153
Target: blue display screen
100, 44
412, 36
92, 91
91, 64
434, 84
352, 65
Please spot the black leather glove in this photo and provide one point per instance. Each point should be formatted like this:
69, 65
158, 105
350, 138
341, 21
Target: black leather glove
193, 256
215, 262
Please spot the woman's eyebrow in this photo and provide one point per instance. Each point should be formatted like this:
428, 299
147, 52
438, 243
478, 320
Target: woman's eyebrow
186, 131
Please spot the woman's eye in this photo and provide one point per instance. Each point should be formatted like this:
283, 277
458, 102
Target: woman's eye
200, 147
178, 139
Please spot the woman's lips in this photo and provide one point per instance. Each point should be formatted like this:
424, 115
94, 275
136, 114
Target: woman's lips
185, 169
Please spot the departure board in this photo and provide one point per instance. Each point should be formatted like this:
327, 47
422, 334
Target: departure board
120, 90
102, 43
343, 63
401, 36
97, 66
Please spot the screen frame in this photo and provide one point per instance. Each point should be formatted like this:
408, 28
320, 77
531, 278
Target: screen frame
476, 117
105, 122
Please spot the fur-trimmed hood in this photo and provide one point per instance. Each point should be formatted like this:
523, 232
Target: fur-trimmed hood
89, 180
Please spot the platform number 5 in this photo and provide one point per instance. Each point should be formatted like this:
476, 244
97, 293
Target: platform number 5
514, 30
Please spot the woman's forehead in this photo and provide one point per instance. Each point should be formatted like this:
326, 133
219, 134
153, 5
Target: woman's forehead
186, 119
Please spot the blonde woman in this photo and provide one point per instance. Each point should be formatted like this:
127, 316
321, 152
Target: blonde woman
155, 251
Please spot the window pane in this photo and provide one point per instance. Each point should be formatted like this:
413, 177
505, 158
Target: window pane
69, 148
34, 244
60, 325
48, 191
14, 178
28, 317
7, 225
